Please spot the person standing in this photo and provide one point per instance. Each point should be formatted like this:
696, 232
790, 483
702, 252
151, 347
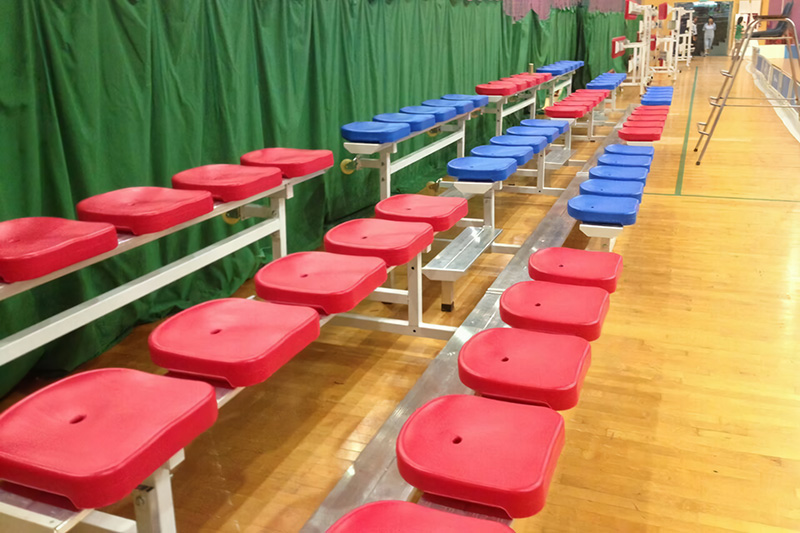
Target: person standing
739, 30
708, 34
694, 38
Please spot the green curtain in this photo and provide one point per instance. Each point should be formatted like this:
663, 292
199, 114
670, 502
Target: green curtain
597, 30
101, 95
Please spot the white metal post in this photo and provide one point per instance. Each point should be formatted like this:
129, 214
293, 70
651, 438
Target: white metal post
279, 238
462, 129
153, 504
414, 269
386, 174
488, 208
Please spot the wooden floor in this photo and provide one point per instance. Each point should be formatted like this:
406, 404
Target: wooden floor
690, 416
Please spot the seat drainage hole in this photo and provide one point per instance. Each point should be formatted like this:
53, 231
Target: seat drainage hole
457, 440
215, 331
504, 359
303, 275
560, 266
77, 419
538, 305
364, 237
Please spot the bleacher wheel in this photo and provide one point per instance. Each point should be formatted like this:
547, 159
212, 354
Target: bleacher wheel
434, 132
434, 185
231, 217
348, 166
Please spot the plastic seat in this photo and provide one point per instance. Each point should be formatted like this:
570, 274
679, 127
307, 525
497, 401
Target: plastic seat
442, 114
637, 118
483, 451
658, 114
141, 210
616, 160
566, 111
525, 366
576, 267
496, 88
656, 101
481, 168
555, 308
617, 188
35, 246
461, 106
330, 283
396, 243
375, 132
652, 109
619, 173
239, 341
605, 93
407, 517
415, 122
229, 183
522, 154
293, 162
561, 125
551, 134
95, 436
657, 123
440, 212
478, 100
595, 209
624, 149
520, 83
535, 142
635, 134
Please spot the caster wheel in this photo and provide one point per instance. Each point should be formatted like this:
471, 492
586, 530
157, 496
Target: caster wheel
348, 166
231, 217
434, 132
433, 185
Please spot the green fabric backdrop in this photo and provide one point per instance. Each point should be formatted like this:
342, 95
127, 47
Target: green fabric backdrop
100, 95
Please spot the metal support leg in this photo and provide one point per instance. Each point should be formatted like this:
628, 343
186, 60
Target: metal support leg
386, 175
541, 171
279, 244
488, 208
498, 119
448, 296
153, 504
414, 269
462, 128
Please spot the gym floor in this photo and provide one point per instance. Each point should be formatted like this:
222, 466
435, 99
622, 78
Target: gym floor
689, 419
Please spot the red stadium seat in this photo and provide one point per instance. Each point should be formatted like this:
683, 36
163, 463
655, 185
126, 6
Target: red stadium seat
555, 308
483, 451
95, 436
441, 212
396, 243
35, 246
239, 341
141, 210
525, 366
293, 162
407, 517
330, 283
229, 183
576, 267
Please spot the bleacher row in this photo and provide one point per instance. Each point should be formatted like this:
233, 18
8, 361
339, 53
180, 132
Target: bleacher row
613, 193
214, 349
36, 246
466, 449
